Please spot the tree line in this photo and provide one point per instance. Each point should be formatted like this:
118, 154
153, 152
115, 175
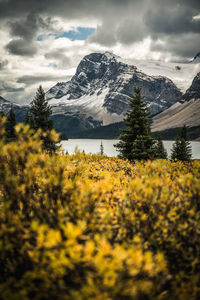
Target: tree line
135, 143
38, 119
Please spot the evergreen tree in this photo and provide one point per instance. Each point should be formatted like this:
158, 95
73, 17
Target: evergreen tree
181, 149
38, 118
10, 126
29, 120
160, 150
101, 148
136, 142
40, 111
2, 114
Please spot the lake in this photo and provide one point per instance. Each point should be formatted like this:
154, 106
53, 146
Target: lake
93, 146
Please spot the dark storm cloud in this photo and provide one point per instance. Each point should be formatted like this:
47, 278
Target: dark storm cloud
69, 8
107, 13
172, 20
103, 35
26, 28
24, 32
129, 31
173, 23
183, 46
29, 79
126, 32
126, 21
21, 47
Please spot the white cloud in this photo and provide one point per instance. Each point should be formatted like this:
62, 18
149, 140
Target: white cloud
121, 28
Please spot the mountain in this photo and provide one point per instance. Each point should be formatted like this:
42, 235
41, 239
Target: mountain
196, 59
185, 112
103, 86
5, 105
19, 110
181, 73
93, 103
194, 90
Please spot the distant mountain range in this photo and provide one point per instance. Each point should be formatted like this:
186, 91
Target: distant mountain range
185, 112
94, 102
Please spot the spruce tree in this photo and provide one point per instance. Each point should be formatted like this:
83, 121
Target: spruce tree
29, 120
101, 148
136, 142
181, 149
159, 148
10, 126
40, 111
38, 118
2, 114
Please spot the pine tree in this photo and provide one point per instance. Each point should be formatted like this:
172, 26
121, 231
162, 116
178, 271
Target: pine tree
181, 149
41, 111
2, 114
136, 142
160, 150
101, 148
10, 126
38, 118
29, 120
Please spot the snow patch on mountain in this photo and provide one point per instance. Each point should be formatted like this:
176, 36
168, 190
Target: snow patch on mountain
89, 105
181, 74
103, 86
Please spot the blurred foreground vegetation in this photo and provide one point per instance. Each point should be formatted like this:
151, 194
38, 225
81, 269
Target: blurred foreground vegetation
92, 227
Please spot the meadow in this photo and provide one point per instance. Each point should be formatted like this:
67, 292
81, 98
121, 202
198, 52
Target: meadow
91, 227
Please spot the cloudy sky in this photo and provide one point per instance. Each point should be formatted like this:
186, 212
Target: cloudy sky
42, 41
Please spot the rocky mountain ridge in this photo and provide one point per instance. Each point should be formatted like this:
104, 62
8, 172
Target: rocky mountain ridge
99, 93
196, 58
185, 112
19, 110
194, 90
103, 85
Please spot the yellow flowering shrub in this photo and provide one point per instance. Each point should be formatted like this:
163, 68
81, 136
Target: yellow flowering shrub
92, 227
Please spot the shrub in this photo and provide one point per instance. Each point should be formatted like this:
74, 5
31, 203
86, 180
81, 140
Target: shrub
92, 227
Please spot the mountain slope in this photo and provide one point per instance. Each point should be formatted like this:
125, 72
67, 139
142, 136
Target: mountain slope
194, 90
99, 94
186, 112
19, 110
102, 87
179, 114
196, 59
181, 74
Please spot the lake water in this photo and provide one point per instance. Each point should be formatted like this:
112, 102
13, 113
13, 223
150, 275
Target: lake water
93, 146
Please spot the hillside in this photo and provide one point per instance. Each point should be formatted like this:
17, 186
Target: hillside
185, 112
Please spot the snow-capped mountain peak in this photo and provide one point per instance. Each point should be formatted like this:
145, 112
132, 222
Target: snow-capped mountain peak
105, 81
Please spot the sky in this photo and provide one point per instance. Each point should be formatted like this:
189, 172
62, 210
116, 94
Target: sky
43, 41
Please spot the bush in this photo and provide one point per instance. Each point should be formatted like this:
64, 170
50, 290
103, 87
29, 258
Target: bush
92, 227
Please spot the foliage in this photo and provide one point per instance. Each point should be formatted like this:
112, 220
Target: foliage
136, 142
181, 149
2, 114
10, 126
93, 227
38, 118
